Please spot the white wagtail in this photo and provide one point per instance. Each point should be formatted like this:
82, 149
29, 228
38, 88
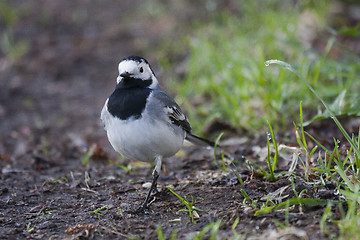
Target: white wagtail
144, 123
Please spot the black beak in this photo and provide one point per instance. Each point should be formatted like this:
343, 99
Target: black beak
126, 74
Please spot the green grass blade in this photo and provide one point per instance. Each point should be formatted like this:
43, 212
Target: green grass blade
343, 175
97, 211
222, 166
234, 170
302, 126
160, 233
276, 149
291, 69
186, 203
261, 172
295, 201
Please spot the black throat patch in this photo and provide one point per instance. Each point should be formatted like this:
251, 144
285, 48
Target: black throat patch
128, 102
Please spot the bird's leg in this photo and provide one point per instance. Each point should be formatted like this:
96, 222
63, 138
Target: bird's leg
153, 184
155, 191
153, 187
157, 169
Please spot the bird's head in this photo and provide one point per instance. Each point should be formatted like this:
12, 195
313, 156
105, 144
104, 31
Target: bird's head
135, 71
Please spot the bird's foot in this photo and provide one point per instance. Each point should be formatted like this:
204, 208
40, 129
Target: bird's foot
143, 209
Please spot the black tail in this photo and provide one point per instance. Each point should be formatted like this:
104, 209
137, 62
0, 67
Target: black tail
199, 140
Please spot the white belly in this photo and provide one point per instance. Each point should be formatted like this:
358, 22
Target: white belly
143, 141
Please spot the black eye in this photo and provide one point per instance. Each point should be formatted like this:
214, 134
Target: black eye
141, 69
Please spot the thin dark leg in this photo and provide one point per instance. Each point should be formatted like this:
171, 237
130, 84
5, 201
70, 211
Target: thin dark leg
153, 185
143, 207
155, 190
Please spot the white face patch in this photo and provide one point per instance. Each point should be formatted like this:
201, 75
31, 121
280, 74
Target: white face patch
128, 66
139, 70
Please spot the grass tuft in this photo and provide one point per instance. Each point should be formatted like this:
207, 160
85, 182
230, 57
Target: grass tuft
190, 208
345, 172
270, 160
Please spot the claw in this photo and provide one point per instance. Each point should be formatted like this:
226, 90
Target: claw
144, 207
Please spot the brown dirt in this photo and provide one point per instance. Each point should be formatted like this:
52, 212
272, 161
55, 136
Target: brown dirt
49, 113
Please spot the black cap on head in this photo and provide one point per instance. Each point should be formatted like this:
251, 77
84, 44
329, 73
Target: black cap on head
135, 58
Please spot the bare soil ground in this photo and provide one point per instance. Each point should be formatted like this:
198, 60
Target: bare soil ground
50, 102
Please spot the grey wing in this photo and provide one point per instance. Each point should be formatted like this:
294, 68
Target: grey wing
177, 117
174, 112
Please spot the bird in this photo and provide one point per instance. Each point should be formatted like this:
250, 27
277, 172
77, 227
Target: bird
142, 121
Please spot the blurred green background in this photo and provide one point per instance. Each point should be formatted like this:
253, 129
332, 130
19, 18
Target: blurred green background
209, 54
226, 78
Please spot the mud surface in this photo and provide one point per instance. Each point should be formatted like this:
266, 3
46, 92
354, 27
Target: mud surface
49, 113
